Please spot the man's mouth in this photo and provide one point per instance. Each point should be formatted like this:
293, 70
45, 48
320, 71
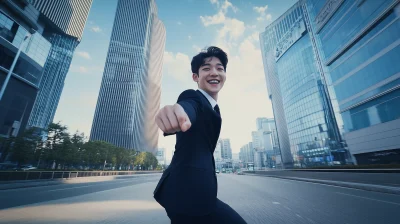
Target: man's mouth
213, 81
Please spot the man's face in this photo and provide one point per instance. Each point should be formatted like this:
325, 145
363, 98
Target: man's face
211, 76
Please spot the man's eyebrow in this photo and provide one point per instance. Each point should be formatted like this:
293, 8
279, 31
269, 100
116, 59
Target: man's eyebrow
208, 64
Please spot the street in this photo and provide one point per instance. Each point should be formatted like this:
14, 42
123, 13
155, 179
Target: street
257, 199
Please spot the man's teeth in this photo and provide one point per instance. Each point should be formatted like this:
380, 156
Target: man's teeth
213, 81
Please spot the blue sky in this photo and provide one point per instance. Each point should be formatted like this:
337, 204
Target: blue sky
191, 25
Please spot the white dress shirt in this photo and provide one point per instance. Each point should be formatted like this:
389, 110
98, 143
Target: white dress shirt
209, 98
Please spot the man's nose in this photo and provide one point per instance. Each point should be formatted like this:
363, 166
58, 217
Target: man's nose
214, 72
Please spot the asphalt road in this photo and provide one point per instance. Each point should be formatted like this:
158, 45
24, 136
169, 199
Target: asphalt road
258, 199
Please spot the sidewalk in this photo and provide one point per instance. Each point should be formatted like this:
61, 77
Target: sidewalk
361, 186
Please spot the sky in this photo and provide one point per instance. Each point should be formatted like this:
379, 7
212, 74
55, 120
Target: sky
191, 25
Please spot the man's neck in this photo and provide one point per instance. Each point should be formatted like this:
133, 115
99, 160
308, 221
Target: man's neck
214, 96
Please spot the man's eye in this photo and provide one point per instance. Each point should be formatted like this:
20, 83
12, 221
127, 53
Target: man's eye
206, 69
220, 69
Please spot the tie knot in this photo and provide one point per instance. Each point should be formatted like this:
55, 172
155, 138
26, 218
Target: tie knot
216, 108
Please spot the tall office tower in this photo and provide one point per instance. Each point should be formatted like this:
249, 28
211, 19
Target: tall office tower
218, 152
226, 150
17, 20
246, 154
130, 91
64, 24
297, 87
268, 125
359, 47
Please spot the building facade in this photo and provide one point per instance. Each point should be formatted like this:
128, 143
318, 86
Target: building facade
293, 74
226, 150
129, 96
161, 156
246, 154
19, 19
266, 145
218, 152
359, 46
64, 22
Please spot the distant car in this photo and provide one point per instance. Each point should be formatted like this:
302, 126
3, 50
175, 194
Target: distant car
29, 167
217, 171
240, 172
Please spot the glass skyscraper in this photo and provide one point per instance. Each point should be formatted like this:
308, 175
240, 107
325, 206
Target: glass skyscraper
130, 91
17, 19
307, 129
359, 45
65, 21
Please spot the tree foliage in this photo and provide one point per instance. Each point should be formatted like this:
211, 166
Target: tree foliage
57, 149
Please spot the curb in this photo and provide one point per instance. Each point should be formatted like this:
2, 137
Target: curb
360, 186
76, 180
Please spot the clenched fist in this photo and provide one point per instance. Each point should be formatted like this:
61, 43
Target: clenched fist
173, 118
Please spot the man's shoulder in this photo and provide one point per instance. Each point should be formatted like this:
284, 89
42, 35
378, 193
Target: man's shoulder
189, 94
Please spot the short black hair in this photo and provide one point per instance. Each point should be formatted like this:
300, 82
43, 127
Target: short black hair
212, 51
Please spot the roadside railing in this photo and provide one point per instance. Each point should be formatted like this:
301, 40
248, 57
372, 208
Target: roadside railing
49, 175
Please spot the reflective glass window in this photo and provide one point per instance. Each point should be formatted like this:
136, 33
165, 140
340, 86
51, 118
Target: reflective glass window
351, 25
382, 109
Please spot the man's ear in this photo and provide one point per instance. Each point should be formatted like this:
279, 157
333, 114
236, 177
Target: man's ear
195, 77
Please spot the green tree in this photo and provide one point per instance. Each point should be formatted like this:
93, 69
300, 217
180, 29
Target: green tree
5, 146
146, 160
24, 146
55, 149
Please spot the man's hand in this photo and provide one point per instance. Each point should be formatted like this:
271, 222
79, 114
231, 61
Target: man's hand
173, 118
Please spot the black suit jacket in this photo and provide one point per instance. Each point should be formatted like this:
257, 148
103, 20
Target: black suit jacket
189, 185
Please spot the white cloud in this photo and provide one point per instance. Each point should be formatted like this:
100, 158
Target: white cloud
254, 37
213, 20
177, 66
262, 13
83, 54
226, 5
96, 29
261, 9
179, 23
214, 2
196, 48
189, 37
232, 28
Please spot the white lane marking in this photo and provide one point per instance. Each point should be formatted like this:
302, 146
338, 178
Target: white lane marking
299, 216
276, 203
287, 208
92, 185
372, 199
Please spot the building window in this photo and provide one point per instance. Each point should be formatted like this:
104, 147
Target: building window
8, 28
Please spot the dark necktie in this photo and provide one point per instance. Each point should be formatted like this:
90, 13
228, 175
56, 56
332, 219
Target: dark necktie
216, 108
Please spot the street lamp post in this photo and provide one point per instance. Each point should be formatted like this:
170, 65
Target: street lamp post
3, 88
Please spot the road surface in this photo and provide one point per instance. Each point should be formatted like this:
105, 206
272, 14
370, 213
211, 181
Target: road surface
257, 199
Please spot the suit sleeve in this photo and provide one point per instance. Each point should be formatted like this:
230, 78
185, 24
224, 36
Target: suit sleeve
190, 102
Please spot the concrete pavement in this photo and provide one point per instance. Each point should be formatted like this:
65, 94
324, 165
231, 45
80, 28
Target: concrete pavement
258, 199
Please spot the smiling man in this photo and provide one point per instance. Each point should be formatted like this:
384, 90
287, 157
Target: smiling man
188, 188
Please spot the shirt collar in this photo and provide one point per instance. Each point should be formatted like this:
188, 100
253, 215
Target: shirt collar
209, 98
